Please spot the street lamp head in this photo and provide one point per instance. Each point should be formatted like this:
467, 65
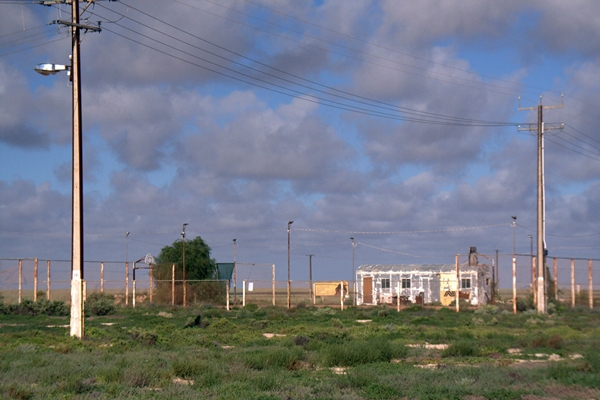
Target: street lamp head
47, 69
291, 222
514, 218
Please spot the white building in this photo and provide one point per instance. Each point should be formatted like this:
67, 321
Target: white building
423, 283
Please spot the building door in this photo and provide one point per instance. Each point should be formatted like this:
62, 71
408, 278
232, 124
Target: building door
367, 289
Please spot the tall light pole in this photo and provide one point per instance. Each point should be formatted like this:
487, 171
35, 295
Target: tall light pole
183, 262
310, 256
234, 271
289, 289
76, 320
353, 279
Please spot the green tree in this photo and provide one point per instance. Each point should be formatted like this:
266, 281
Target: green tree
198, 267
198, 264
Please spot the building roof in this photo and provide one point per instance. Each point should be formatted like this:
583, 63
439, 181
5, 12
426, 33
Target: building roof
405, 268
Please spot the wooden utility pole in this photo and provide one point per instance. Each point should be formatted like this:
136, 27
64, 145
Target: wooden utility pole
541, 128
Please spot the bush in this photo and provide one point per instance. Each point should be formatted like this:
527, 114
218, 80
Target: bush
461, 349
33, 308
361, 352
100, 304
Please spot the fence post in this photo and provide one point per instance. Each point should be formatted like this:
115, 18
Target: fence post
126, 283
457, 300
572, 283
48, 280
102, 277
514, 273
227, 296
398, 294
243, 293
20, 280
133, 299
555, 280
151, 282
35, 278
173, 285
342, 295
273, 282
591, 285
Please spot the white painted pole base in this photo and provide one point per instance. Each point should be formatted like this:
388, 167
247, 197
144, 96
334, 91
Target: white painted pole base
77, 306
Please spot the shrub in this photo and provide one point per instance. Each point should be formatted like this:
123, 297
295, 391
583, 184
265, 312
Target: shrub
279, 357
461, 349
361, 352
143, 336
100, 304
43, 306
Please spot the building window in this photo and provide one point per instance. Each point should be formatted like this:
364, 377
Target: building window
465, 283
405, 283
385, 283
487, 281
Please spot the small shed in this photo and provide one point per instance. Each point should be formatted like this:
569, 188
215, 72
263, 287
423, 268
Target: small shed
422, 283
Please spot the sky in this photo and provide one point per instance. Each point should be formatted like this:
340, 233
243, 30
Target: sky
392, 122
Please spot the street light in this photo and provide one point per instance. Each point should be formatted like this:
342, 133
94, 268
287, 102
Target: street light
76, 319
48, 69
289, 289
353, 279
183, 261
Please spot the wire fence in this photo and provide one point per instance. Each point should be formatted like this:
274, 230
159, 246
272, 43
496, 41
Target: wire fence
569, 280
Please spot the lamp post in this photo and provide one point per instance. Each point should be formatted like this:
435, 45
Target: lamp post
76, 319
353, 279
183, 261
289, 289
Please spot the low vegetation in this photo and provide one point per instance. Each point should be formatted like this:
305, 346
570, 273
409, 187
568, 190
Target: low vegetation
301, 353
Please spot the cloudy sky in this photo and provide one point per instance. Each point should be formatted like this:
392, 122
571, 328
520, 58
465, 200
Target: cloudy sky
393, 122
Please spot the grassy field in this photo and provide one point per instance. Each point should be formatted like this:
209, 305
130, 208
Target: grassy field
303, 353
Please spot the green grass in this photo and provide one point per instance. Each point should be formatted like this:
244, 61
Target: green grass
207, 352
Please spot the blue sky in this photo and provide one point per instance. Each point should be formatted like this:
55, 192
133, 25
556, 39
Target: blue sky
177, 129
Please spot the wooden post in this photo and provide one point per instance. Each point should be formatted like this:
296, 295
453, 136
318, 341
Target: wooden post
457, 286
102, 277
514, 273
173, 285
227, 295
244, 293
48, 280
20, 280
151, 282
273, 282
35, 278
398, 295
342, 295
133, 299
572, 283
590, 284
555, 280
126, 283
